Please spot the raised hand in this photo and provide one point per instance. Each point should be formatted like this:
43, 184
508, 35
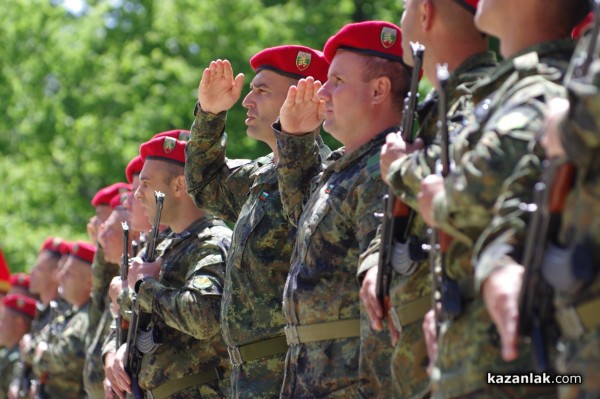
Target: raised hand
303, 111
218, 91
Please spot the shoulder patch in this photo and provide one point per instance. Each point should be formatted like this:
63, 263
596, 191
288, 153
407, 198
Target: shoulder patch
202, 282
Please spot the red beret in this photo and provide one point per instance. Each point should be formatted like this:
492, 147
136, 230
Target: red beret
20, 303
65, 247
294, 61
470, 5
83, 251
134, 167
178, 134
20, 280
52, 244
104, 196
582, 26
375, 38
164, 148
4, 274
119, 199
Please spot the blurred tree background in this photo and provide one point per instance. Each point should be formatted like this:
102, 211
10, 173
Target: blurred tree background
83, 83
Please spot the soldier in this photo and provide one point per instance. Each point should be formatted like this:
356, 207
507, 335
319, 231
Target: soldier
19, 284
44, 284
334, 206
15, 321
182, 289
101, 204
571, 260
247, 192
493, 161
59, 357
105, 267
450, 37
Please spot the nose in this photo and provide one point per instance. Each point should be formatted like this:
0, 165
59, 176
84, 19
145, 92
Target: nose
138, 193
248, 101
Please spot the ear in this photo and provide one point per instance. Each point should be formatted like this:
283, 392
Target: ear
427, 9
382, 87
178, 186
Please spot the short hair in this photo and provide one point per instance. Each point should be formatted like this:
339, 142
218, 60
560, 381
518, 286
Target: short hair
172, 171
398, 73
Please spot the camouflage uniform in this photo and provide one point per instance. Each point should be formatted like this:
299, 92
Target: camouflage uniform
334, 208
185, 304
8, 358
61, 365
410, 290
245, 193
99, 324
492, 157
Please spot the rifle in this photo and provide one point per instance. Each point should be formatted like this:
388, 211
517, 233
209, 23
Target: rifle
397, 217
536, 307
138, 318
122, 323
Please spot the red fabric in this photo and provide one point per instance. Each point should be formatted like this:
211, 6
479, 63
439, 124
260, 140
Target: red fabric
294, 61
19, 280
4, 274
65, 247
134, 167
177, 134
104, 196
164, 148
83, 251
52, 244
20, 303
470, 5
377, 38
119, 199
582, 26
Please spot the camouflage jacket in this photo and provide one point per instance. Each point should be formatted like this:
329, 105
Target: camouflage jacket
245, 193
334, 208
185, 304
8, 358
405, 174
62, 362
494, 160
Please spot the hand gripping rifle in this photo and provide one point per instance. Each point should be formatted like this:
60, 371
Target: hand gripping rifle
396, 221
536, 311
138, 318
122, 323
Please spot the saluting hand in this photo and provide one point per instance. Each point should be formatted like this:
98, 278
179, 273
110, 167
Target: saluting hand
501, 296
303, 111
218, 91
394, 149
139, 269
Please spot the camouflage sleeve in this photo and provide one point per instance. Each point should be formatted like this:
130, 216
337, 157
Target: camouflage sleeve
370, 258
194, 308
503, 241
110, 340
125, 301
65, 348
215, 183
580, 135
405, 174
102, 274
476, 182
299, 163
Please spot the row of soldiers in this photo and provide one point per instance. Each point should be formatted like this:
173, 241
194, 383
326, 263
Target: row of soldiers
308, 235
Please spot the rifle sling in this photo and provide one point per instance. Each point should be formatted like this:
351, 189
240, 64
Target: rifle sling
411, 312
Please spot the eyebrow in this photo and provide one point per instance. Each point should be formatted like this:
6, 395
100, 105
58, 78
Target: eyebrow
259, 85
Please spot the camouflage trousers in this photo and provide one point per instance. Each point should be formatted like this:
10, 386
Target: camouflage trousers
580, 357
260, 378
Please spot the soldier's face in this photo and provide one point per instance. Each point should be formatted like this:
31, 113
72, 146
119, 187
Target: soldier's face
138, 220
491, 17
7, 327
410, 28
43, 272
111, 236
346, 96
75, 281
102, 213
153, 178
268, 91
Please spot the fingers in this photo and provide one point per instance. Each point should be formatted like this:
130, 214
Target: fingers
238, 85
368, 295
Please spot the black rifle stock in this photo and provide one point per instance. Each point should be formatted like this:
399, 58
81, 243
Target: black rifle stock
122, 323
138, 318
397, 217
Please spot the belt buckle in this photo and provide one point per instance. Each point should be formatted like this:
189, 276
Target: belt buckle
570, 323
291, 335
235, 356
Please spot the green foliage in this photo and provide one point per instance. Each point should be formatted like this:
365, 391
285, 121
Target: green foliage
79, 93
